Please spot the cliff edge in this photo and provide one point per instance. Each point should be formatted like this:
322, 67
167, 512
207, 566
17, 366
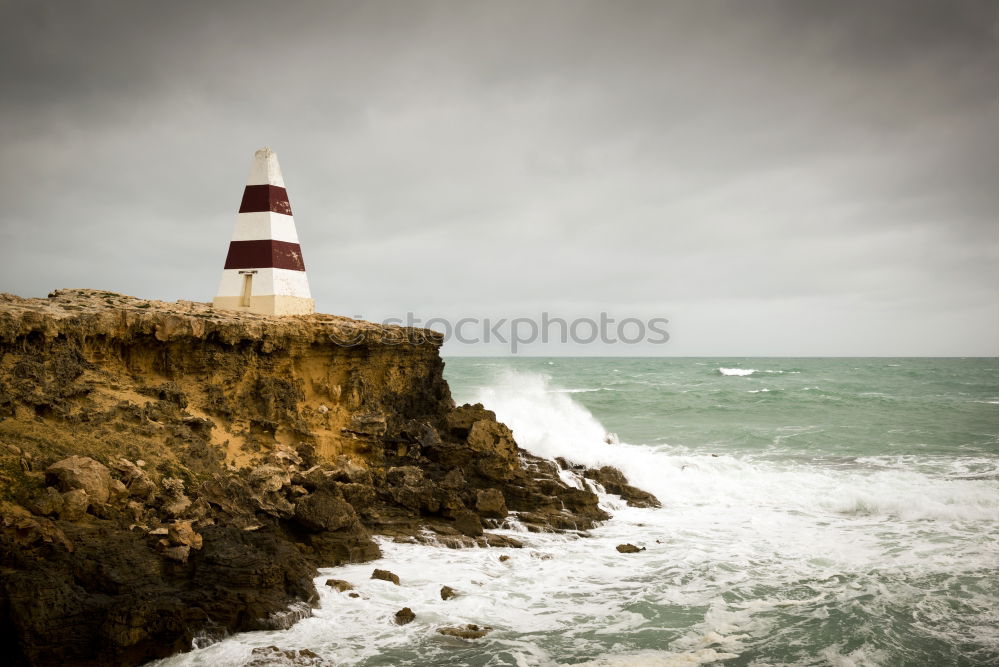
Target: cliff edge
171, 471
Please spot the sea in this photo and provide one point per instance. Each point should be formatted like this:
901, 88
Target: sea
822, 511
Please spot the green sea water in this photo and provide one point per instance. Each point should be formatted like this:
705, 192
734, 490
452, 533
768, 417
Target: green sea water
815, 512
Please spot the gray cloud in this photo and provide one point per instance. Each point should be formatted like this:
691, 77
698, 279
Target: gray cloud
775, 177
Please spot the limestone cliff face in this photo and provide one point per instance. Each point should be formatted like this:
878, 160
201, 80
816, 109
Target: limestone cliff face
169, 470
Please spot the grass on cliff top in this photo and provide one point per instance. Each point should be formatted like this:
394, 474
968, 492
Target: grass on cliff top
50, 441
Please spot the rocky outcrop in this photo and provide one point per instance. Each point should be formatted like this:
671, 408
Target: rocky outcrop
469, 631
404, 616
614, 481
169, 470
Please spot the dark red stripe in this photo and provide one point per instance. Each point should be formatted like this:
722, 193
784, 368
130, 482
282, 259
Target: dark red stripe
259, 198
265, 254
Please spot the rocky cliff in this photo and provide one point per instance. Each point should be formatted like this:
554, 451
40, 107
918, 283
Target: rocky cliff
170, 471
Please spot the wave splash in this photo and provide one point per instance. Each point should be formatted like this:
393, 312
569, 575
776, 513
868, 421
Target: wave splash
550, 424
740, 372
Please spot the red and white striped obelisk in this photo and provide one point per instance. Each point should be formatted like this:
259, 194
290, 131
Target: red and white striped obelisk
264, 269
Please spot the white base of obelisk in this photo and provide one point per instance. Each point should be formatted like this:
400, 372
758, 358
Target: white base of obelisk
267, 305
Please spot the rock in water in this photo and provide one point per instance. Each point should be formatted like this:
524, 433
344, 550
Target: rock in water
272, 656
629, 549
385, 575
404, 616
340, 585
468, 523
447, 592
470, 631
614, 481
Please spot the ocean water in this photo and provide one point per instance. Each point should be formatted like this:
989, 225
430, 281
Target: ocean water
815, 512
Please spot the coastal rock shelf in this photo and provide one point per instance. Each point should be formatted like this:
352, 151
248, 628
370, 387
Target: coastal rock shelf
170, 471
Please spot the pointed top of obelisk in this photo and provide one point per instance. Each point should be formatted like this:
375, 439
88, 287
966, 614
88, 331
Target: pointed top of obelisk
264, 169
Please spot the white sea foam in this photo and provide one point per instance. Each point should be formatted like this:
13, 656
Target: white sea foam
737, 371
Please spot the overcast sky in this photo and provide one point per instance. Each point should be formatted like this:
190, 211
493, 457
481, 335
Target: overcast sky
774, 177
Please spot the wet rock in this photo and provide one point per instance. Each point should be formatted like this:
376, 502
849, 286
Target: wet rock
504, 558
468, 523
490, 503
447, 592
469, 631
340, 585
272, 656
404, 616
614, 481
81, 472
385, 575
629, 549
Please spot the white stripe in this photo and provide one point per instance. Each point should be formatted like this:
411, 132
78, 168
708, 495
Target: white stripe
264, 169
265, 225
266, 282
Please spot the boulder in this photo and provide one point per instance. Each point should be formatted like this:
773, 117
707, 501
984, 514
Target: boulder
490, 503
118, 491
447, 592
324, 510
81, 472
629, 549
340, 585
74, 505
461, 419
47, 503
136, 480
614, 481
385, 575
404, 616
470, 631
181, 533
468, 523
270, 656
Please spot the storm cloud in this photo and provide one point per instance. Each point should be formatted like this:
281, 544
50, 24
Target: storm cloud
774, 177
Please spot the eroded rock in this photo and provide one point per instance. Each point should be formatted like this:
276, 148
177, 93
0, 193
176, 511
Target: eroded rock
385, 575
339, 585
81, 472
469, 631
